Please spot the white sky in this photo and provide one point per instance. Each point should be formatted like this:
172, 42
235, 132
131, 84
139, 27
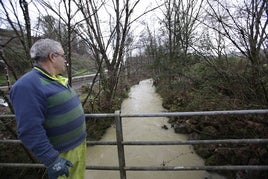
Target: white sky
142, 6
137, 28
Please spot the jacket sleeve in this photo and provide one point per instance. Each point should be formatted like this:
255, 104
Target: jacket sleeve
30, 108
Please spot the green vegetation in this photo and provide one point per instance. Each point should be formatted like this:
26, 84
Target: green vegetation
3, 80
82, 65
219, 85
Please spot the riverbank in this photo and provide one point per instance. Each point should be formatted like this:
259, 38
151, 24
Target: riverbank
218, 127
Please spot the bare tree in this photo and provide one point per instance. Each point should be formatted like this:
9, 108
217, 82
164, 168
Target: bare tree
21, 29
180, 23
246, 27
19, 32
105, 28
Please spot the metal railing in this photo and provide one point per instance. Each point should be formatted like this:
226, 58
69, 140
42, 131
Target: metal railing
122, 168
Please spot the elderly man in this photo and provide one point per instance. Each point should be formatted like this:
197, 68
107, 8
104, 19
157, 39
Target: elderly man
49, 114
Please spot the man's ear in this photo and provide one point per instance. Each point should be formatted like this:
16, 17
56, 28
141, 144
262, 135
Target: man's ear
51, 57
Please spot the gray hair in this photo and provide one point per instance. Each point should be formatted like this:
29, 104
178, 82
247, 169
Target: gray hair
43, 47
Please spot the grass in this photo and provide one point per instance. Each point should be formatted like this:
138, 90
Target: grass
3, 81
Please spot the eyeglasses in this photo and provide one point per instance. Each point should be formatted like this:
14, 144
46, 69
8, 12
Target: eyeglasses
62, 55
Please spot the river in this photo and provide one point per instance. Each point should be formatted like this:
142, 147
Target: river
143, 99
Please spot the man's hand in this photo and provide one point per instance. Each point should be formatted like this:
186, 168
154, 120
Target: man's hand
59, 168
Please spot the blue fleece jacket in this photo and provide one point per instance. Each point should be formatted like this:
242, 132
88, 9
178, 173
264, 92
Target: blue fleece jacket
49, 115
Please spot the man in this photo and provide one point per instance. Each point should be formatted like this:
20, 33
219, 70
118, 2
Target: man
49, 114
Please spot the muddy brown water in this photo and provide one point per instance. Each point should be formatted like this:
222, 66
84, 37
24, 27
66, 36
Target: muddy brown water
143, 99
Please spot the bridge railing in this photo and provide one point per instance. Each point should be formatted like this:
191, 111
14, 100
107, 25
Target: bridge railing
122, 168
